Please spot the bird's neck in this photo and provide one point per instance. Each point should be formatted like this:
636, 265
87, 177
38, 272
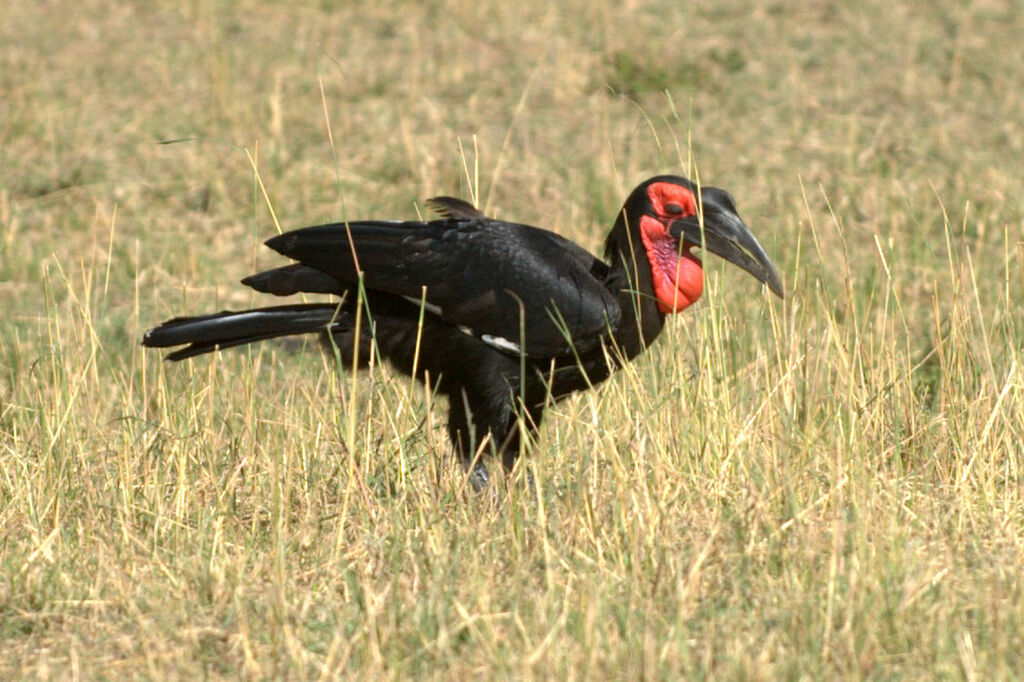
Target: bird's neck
631, 281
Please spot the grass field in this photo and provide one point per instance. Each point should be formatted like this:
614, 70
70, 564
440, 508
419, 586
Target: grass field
826, 487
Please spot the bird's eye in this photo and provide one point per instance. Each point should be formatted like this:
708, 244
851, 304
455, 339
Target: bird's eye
673, 209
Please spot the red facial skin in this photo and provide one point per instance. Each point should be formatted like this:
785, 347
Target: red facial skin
678, 275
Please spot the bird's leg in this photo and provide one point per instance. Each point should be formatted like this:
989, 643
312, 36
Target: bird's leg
514, 441
498, 424
462, 431
520, 427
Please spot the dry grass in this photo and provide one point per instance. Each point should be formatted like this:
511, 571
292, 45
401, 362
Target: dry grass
825, 487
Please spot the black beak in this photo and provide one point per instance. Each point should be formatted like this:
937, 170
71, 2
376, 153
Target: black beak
726, 235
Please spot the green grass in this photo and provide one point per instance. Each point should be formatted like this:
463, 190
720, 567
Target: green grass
825, 487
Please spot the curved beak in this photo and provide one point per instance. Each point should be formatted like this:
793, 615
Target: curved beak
726, 235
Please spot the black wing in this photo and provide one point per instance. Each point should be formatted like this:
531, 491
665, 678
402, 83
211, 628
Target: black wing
514, 286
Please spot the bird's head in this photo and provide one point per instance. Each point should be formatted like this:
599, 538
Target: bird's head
673, 217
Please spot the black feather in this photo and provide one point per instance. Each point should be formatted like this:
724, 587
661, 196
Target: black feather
294, 279
225, 329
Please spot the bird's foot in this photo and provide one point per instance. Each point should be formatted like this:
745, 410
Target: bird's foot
479, 476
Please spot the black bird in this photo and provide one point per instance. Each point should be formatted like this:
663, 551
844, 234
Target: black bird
501, 318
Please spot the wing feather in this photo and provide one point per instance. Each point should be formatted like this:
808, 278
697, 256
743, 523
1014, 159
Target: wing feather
519, 283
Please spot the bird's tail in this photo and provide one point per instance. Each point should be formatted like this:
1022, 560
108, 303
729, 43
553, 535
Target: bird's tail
207, 333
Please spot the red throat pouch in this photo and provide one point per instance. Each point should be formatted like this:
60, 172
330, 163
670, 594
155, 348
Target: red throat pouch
678, 278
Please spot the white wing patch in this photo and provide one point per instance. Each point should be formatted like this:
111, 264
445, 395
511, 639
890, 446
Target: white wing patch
500, 343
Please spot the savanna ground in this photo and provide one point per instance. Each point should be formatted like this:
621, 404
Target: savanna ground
828, 486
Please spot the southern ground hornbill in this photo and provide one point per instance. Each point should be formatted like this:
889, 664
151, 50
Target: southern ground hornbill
499, 317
